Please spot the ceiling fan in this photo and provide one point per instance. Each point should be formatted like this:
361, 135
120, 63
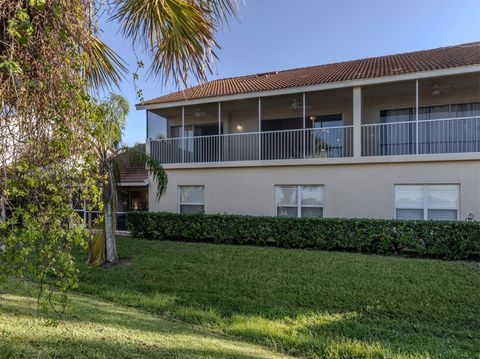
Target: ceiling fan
199, 113
438, 89
296, 104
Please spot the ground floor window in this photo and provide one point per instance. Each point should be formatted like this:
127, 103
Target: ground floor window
299, 201
191, 199
435, 202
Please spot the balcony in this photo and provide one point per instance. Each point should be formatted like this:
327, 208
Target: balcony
327, 142
450, 135
429, 116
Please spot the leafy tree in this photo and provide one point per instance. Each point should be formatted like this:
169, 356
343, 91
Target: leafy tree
109, 123
44, 124
51, 63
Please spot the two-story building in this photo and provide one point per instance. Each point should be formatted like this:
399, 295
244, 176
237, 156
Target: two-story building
385, 137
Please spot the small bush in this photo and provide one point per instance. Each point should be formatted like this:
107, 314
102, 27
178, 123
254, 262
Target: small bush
440, 239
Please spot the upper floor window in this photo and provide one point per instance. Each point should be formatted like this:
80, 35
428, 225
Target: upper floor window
436, 112
322, 121
191, 199
397, 115
299, 201
436, 202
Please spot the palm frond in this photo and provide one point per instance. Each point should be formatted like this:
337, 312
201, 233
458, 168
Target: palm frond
154, 167
158, 173
221, 10
177, 34
102, 65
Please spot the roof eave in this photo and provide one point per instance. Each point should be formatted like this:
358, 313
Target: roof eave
133, 184
319, 87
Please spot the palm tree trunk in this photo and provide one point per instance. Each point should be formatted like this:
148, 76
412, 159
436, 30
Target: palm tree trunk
3, 218
111, 250
3, 211
110, 208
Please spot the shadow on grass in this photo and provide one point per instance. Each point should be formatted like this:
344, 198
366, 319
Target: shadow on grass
333, 335
95, 329
310, 303
90, 348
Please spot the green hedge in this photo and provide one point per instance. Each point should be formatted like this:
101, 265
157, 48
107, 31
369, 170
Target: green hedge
441, 239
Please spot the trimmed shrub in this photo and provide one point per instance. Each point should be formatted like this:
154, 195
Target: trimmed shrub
440, 239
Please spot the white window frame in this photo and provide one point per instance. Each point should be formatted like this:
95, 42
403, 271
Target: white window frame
426, 207
299, 205
179, 197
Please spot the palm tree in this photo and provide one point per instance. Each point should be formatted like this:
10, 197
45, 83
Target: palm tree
109, 123
177, 35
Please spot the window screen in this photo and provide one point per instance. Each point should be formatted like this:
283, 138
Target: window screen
299, 200
435, 202
191, 199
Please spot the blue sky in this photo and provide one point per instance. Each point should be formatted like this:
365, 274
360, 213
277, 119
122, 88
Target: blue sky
282, 34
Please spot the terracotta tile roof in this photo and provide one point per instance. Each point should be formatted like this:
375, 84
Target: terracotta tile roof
411, 62
130, 171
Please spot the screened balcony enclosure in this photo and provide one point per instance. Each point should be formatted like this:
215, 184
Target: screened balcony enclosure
428, 116
272, 128
425, 116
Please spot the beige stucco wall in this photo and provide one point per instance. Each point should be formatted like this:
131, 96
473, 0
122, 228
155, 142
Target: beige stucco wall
351, 190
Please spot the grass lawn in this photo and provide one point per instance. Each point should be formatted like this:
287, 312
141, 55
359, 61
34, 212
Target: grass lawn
97, 329
305, 303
